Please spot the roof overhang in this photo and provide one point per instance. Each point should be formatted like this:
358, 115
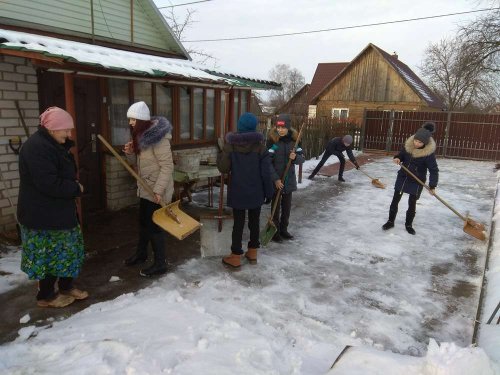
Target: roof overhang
54, 53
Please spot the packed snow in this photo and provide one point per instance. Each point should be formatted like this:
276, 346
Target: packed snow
406, 304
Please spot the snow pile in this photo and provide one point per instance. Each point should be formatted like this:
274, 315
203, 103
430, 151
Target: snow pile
11, 274
444, 359
449, 359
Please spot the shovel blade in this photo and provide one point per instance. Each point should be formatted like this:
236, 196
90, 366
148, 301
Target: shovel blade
474, 229
175, 221
267, 233
376, 182
214, 243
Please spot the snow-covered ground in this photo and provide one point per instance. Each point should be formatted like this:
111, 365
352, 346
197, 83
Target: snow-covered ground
342, 281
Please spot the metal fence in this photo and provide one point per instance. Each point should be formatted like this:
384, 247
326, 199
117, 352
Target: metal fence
458, 135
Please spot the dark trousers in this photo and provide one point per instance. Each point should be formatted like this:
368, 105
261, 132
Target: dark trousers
412, 207
323, 160
285, 206
149, 231
239, 224
46, 289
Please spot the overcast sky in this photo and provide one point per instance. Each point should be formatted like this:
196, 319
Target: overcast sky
255, 58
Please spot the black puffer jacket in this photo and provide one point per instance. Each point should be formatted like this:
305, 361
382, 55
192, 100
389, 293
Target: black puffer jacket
280, 148
48, 185
418, 161
336, 146
246, 157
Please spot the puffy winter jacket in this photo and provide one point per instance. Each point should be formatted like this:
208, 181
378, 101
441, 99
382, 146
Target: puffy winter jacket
155, 163
280, 148
418, 161
246, 157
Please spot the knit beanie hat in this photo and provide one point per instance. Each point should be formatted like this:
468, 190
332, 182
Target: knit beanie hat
247, 123
347, 139
284, 120
55, 118
424, 133
139, 111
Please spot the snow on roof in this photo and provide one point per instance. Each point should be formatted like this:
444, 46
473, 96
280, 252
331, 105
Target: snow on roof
108, 58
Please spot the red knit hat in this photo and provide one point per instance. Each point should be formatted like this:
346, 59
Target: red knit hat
55, 118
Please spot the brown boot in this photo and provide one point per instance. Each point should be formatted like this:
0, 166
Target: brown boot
60, 301
75, 293
251, 255
233, 260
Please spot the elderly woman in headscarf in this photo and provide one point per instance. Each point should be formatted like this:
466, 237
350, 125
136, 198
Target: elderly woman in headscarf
52, 241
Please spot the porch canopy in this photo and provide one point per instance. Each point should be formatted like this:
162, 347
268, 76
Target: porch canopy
67, 53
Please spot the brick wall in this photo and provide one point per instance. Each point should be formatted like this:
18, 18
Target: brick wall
18, 81
121, 188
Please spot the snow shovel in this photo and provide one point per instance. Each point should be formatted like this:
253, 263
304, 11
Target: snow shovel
169, 217
214, 240
471, 227
270, 229
375, 181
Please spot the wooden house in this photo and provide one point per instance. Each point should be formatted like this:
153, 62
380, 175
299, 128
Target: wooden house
298, 104
94, 59
374, 80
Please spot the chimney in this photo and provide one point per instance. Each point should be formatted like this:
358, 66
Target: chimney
395, 55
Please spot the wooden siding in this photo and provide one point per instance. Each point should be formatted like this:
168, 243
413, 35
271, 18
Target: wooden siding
111, 20
370, 82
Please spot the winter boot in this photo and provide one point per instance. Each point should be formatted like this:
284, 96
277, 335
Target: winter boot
233, 260
159, 266
286, 235
409, 222
311, 177
277, 238
388, 225
75, 293
410, 229
341, 179
251, 255
141, 253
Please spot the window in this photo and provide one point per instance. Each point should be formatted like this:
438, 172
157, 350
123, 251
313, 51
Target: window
210, 114
236, 107
223, 113
198, 113
118, 106
143, 92
244, 102
164, 102
340, 113
185, 112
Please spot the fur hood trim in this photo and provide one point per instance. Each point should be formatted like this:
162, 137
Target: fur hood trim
275, 137
160, 128
241, 139
429, 148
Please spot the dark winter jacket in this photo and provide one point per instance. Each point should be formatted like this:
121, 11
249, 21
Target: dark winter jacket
48, 185
246, 157
418, 161
336, 146
280, 148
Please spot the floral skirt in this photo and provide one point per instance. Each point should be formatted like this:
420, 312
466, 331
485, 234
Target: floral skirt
51, 252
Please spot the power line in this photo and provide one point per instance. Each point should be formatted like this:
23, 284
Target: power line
337, 28
179, 5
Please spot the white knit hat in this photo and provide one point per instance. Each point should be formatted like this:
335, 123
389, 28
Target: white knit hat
139, 111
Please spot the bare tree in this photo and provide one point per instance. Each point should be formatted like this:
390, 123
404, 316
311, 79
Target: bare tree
179, 25
481, 39
454, 75
291, 80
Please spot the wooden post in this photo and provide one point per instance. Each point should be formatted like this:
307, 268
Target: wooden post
446, 133
388, 143
69, 97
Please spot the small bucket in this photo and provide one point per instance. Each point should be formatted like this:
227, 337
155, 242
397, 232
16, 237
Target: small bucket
188, 162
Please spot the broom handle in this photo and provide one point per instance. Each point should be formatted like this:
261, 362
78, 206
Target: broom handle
362, 171
285, 172
437, 196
